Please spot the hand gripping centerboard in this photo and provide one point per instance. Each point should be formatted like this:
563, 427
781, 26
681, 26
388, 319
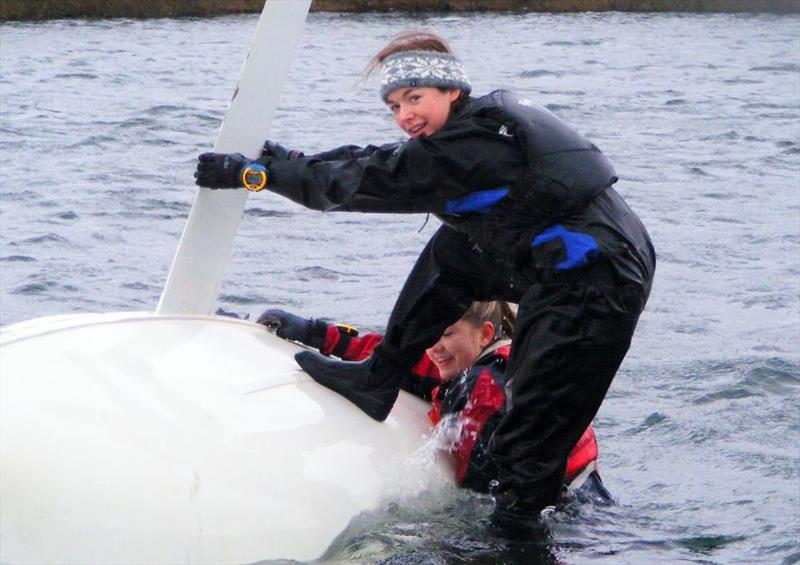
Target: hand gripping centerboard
196, 274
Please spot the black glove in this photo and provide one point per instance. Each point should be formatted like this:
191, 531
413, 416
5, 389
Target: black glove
220, 170
305, 330
279, 152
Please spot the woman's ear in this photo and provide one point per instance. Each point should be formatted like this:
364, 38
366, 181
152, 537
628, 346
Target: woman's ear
487, 333
453, 94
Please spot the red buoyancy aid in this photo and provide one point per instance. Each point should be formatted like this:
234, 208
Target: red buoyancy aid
584, 452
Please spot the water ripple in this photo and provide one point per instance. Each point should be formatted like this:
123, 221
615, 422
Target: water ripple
536, 73
41, 239
784, 68
263, 213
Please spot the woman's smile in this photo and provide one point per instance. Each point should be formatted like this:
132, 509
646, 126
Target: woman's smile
459, 347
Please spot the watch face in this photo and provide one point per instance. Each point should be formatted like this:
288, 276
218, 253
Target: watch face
254, 177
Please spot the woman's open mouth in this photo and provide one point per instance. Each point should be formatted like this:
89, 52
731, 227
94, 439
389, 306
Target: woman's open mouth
417, 130
443, 361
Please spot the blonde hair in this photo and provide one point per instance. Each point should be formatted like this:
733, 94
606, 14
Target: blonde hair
499, 312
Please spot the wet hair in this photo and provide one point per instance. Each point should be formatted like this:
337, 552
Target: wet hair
415, 40
499, 312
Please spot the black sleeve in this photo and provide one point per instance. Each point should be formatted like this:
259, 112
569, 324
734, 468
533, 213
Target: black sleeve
420, 386
349, 152
420, 175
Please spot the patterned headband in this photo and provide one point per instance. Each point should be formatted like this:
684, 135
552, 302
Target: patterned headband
412, 69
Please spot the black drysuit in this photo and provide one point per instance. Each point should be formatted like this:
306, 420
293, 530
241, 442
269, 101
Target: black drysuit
530, 216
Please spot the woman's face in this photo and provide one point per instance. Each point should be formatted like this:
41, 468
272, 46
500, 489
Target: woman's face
421, 111
459, 347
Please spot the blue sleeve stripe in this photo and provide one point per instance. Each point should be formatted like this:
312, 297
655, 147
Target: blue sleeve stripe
478, 202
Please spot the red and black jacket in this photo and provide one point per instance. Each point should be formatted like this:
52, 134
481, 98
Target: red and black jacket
343, 343
475, 401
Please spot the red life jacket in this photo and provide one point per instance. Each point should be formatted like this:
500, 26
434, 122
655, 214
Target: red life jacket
584, 452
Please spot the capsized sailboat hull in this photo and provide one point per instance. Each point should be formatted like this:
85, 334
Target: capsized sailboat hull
130, 437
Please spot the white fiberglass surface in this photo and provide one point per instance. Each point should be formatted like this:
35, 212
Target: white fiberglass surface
162, 437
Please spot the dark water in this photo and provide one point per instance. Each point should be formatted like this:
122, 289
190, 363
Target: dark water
700, 434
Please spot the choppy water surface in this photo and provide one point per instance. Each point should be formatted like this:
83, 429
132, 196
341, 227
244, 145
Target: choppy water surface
102, 120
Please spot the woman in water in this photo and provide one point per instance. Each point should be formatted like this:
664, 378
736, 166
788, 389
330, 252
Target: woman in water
530, 216
463, 375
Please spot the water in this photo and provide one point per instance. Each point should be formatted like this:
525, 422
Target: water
699, 436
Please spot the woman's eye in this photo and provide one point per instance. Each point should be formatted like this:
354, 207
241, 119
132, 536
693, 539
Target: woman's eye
414, 98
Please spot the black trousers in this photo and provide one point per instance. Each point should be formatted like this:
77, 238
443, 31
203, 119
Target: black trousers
570, 339
572, 333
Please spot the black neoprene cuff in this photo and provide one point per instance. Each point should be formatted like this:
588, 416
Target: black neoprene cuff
316, 334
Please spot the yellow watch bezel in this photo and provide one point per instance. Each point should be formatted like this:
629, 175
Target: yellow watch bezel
255, 169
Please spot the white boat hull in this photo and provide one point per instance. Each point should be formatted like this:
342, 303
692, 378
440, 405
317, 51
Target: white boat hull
134, 438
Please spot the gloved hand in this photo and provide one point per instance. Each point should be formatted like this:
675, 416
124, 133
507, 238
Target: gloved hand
220, 170
279, 152
305, 330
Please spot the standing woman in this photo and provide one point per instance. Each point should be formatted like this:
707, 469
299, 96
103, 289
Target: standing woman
530, 216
